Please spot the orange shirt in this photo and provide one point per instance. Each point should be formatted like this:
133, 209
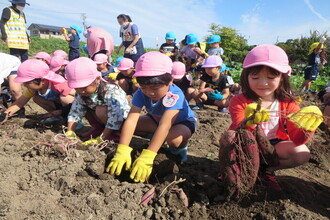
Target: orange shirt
286, 129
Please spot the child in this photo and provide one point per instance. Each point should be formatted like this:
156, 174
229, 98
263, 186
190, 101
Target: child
49, 90
183, 79
191, 52
124, 77
214, 42
60, 53
234, 88
103, 65
99, 41
169, 48
169, 117
265, 77
214, 88
43, 56
104, 105
314, 62
73, 39
58, 64
8, 70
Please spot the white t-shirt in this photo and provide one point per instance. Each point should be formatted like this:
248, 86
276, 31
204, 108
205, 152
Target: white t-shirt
270, 127
8, 63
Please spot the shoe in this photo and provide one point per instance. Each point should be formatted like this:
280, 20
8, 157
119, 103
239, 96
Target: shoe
198, 106
268, 179
224, 110
182, 152
52, 120
21, 113
79, 125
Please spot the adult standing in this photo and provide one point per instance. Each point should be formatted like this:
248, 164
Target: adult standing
13, 29
131, 39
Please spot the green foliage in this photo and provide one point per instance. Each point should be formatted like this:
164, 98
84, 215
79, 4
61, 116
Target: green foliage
297, 49
234, 44
46, 45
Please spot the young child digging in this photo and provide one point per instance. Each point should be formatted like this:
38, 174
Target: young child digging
169, 117
213, 88
183, 79
265, 77
103, 65
103, 104
125, 77
48, 89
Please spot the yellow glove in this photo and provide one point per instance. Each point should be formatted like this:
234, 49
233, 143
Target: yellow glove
122, 156
142, 166
64, 30
134, 81
308, 118
70, 134
113, 76
93, 141
261, 116
169, 54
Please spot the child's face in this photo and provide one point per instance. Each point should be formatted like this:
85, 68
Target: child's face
102, 67
90, 89
35, 86
264, 83
168, 41
212, 71
73, 31
215, 45
42, 60
127, 72
155, 92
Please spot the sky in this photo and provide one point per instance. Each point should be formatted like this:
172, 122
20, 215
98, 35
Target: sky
259, 21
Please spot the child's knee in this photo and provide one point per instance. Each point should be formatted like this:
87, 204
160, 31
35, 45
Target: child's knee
101, 113
301, 155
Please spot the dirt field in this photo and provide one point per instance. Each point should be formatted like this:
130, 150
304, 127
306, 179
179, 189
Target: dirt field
37, 182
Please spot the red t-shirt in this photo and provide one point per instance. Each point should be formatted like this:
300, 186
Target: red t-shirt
286, 129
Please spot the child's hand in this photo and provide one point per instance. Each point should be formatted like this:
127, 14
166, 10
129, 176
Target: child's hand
113, 76
122, 156
64, 30
93, 141
216, 95
70, 134
308, 118
260, 116
206, 90
142, 166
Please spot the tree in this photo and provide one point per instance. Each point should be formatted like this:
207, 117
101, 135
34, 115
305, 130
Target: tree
234, 44
297, 49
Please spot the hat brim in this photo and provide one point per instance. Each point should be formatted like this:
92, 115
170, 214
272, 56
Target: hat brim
19, 79
123, 68
178, 76
209, 66
54, 77
148, 73
281, 68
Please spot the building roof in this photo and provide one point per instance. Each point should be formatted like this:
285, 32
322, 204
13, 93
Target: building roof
44, 27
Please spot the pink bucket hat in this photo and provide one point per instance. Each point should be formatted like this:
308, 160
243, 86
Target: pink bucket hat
99, 39
212, 61
35, 69
43, 55
153, 63
81, 72
60, 53
178, 70
56, 62
125, 64
101, 58
268, 55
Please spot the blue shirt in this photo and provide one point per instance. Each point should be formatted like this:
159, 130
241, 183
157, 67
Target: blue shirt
156, 110
74, 41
